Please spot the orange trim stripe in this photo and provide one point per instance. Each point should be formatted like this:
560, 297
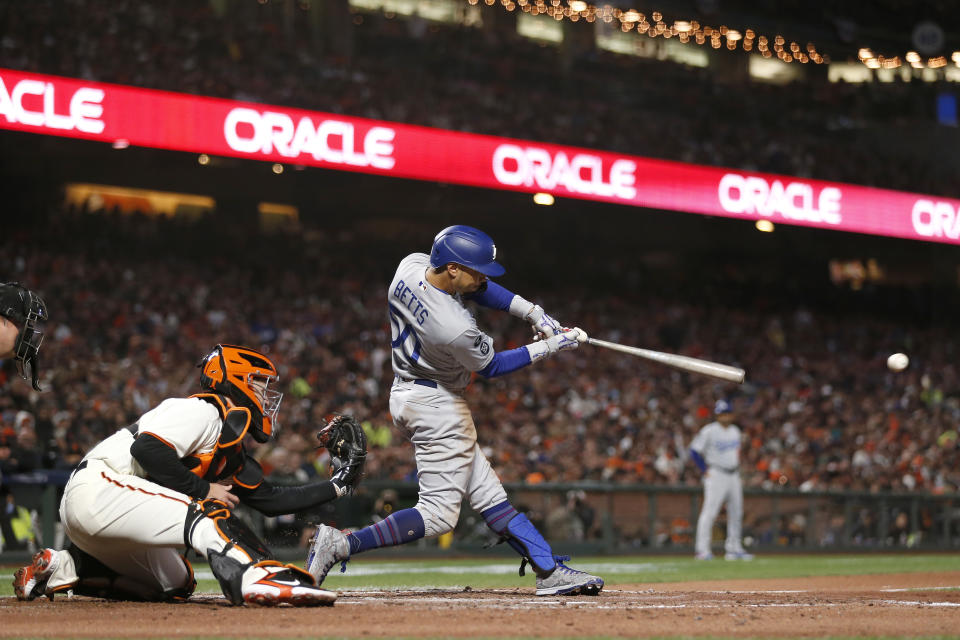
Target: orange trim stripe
217, 398
138, 489
247, 486
150, 433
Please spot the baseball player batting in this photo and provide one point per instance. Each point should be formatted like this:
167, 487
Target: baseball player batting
436, 346
170, 480
716, 450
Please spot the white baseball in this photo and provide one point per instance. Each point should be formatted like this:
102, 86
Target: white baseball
898, 362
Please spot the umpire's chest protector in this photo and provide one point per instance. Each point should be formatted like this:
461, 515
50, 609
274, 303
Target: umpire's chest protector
228, 455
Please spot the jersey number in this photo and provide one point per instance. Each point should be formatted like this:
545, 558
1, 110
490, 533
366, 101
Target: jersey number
403, 330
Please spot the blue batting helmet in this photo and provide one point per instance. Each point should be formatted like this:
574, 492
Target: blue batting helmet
467, 246
722, 406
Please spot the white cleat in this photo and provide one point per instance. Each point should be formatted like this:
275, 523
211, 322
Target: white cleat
568, 582
738, 555
703, 556
329, 546
286, 584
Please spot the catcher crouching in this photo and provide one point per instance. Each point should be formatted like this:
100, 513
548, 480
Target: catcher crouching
170, 480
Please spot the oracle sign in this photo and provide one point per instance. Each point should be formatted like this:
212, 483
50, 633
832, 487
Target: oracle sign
933, 219
580, 173
165, 120
33, 103
793, 201
335, 141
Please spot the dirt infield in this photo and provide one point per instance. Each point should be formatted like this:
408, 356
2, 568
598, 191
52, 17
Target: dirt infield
913, 604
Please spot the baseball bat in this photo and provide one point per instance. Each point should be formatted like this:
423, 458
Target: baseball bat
694, 365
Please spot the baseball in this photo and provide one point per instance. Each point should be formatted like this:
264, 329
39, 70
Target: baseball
898, 362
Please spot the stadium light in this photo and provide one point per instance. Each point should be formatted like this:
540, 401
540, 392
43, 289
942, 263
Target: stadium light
543, 199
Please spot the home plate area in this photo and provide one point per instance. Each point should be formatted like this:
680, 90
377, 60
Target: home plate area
880, 605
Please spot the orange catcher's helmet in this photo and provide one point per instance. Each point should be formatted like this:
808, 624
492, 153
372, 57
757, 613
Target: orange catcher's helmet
244, 376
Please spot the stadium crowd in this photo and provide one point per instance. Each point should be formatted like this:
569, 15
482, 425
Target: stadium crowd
137, 301
487, 81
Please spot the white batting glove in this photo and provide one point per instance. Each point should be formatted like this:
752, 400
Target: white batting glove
543, 325
566, 340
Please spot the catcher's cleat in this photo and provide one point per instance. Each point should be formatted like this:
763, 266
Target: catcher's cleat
329, 546
564, 581
30, 582
286, 584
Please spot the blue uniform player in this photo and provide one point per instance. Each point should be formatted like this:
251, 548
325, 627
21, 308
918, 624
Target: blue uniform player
436, 347
716, 450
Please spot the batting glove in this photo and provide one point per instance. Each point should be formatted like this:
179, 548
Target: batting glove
565, 340
543, 325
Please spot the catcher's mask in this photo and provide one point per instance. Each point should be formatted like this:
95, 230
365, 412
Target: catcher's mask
244, 376
28, 310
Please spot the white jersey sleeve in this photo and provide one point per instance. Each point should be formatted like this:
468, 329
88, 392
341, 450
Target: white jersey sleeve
187, 425
433, 336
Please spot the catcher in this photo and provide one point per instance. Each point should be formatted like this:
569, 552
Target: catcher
170, 480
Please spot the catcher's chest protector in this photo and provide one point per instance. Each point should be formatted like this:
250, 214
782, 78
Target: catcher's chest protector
227, 457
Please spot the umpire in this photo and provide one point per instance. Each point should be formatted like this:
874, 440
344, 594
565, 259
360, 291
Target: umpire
22, 315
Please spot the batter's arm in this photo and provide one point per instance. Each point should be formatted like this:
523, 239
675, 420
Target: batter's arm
504, 362
495, 296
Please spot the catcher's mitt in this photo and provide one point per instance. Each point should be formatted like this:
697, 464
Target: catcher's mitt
344, 438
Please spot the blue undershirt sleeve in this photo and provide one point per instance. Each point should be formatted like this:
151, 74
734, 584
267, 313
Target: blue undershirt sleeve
506, 362
493, 297
698, 459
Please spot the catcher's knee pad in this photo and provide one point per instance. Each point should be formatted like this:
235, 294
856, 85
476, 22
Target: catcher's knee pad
226, 541
182, 593
527, 541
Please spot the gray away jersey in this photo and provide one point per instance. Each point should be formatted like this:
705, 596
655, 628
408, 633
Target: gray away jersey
432, 335
719, 445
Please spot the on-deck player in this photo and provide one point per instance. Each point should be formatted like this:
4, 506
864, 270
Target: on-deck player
716, 450
170, 480
436, 346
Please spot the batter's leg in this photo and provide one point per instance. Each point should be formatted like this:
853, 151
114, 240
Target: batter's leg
487, 496
441, 429
444, 436
712, 501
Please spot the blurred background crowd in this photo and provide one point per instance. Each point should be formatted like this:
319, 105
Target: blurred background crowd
137, 301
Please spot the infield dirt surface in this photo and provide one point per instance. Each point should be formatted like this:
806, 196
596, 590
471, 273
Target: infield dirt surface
913, 604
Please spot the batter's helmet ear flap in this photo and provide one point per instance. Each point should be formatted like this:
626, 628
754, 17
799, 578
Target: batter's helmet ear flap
467, 246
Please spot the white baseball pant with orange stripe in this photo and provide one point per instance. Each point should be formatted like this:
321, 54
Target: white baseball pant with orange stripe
135, 527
